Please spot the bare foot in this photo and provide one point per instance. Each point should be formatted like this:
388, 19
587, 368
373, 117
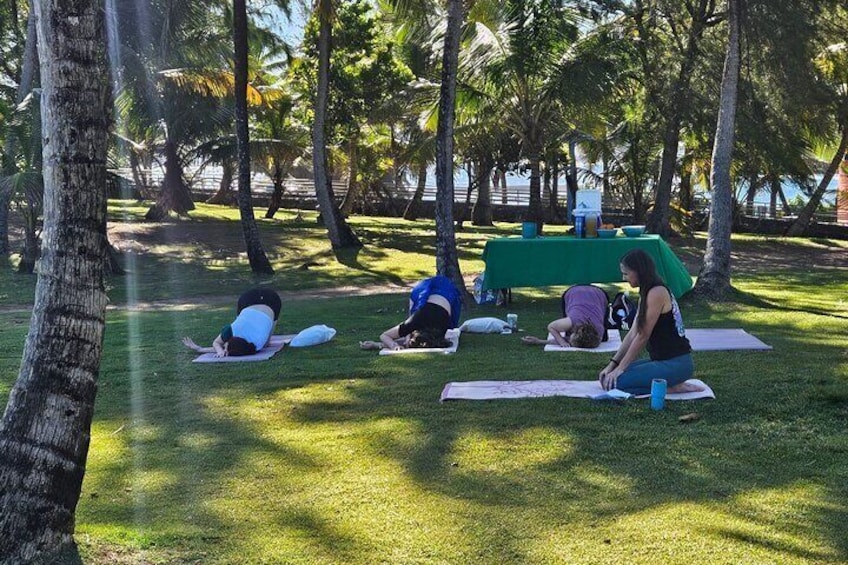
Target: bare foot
685, 387
531, 340
370, 345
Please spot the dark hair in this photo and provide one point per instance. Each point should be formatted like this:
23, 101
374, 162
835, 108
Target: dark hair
238, 347
427, 338
584, 335
641, 263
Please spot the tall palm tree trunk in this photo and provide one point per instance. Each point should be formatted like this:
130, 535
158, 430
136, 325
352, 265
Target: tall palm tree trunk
481, 214
45, 431
447, 261
714, 277
571, 178
340, 234
534, 209
259, 263
353, 187
278, 178
175, 195
414, 206
775, 190
806, 215
224, 194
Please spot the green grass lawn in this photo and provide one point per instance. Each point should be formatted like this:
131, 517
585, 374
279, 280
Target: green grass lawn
335, 455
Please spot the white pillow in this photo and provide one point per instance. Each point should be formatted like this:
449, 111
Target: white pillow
313, 335
483, 326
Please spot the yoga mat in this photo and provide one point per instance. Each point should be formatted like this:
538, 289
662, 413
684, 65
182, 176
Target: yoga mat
723, 340
275, 344
609, 346
451, 335
493, 390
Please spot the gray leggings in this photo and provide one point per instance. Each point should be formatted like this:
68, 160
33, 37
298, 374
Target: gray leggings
636, 379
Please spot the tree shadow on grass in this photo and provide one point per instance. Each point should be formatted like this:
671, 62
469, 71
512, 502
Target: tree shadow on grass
774, 444
552, 462
350, 258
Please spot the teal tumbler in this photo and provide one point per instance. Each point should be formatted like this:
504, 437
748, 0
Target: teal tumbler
658, 390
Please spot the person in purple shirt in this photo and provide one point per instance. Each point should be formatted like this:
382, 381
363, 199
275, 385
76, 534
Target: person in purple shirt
584, 308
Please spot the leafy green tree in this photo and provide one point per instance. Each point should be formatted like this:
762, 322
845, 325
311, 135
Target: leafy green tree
340, 233
23, 181
21, 69
833, 63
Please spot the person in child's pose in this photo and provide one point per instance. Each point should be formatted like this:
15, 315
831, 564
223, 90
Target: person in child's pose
583, 309
257, 312
434, 308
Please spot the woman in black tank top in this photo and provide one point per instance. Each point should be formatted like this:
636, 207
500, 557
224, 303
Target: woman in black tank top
658, 328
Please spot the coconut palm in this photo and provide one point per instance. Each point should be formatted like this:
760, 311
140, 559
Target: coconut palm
833, 63
154, 110
533, 60
255, 251
45, 431
340, 233
714, 276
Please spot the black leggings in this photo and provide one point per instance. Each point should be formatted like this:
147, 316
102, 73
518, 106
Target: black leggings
260, 295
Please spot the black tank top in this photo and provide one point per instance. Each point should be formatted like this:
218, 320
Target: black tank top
668, 340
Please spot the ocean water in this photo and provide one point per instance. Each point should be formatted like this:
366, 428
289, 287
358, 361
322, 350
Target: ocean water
519, 182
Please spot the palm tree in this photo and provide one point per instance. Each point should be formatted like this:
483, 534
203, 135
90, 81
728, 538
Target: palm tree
541, 74
833, 63
340, 233
673, 103
447, 260
255, 252
153, 104
714, 276
45, 431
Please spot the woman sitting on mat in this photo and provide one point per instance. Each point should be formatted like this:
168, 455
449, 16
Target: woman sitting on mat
434, 308
257, 311
659, 327
583, 308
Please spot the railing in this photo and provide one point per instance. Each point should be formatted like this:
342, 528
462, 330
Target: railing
208, 182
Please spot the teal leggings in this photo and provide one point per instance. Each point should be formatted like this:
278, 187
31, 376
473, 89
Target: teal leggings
637, 378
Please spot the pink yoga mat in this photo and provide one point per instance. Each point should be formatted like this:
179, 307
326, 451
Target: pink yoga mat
275, 344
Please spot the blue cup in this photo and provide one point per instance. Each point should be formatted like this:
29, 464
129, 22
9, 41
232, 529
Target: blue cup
528, 230
579, 226
658, 389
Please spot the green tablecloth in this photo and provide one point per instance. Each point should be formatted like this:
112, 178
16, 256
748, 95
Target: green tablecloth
547, 261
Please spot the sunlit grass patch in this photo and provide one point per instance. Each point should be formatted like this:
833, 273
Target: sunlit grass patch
336, 455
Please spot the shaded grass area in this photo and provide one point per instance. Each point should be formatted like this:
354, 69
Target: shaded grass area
208, 252
334, 455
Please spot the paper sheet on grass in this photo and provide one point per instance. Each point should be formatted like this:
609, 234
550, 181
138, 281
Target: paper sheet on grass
723, 340
450, 335
609, 346
493, 390
274, 345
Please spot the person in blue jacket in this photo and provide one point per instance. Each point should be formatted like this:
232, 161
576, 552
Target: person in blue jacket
435, 306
